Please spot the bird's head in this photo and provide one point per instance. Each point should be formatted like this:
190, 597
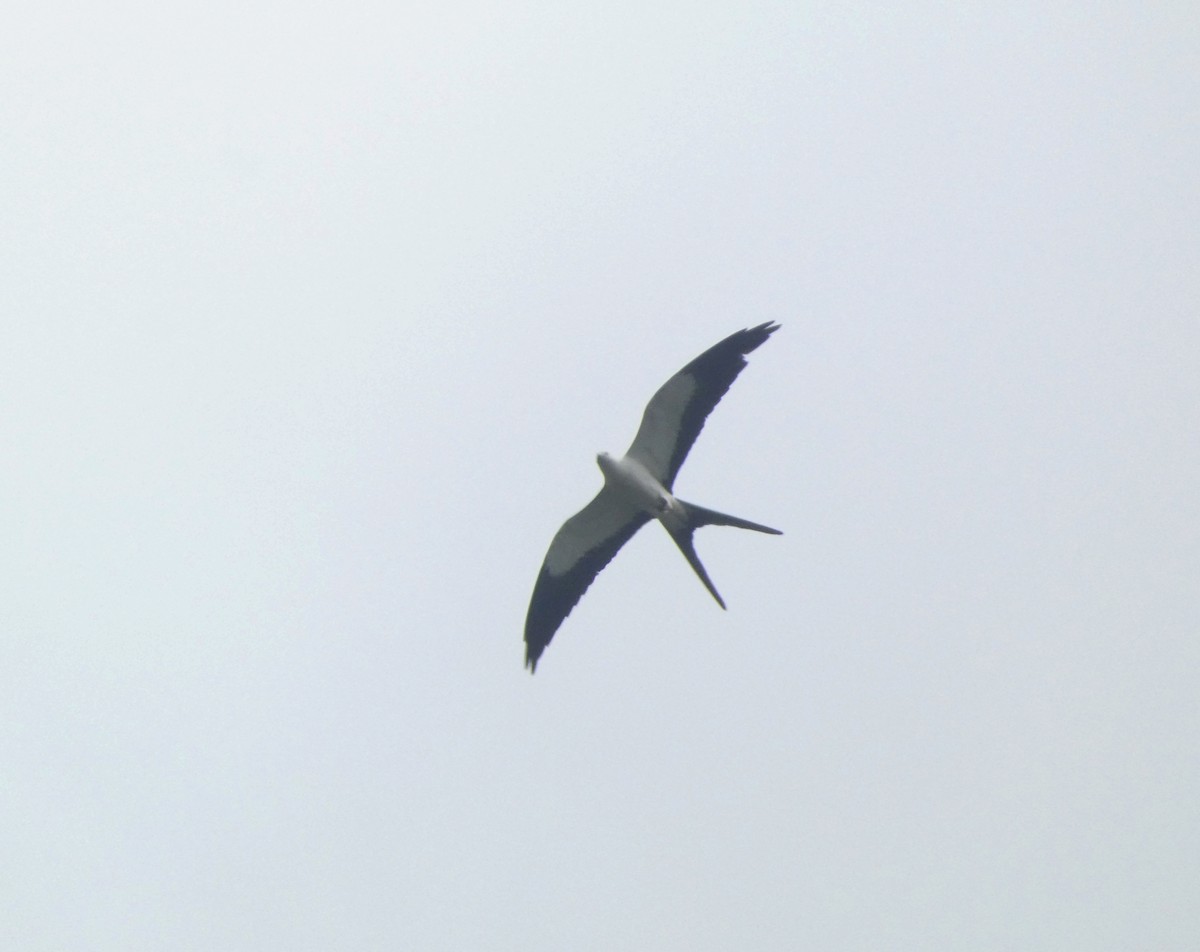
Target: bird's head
605, 462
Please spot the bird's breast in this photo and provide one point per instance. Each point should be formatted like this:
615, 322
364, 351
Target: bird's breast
630, 480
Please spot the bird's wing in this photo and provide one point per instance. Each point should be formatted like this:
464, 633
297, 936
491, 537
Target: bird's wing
675, 415
581, 548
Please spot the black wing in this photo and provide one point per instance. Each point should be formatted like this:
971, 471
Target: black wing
581, 548
675, 414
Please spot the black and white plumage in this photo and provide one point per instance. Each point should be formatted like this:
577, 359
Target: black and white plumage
637, 488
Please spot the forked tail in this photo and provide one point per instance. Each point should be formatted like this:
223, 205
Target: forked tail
698, 516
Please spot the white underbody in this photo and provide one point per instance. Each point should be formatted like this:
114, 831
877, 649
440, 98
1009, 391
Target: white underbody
635, 485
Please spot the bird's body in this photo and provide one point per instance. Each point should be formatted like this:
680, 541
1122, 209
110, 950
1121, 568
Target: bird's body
638, 488
631, 482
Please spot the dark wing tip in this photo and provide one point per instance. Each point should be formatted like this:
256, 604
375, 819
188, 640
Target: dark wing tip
754, 337
548, 608
532, 653
725, 360
740, 342
766, 329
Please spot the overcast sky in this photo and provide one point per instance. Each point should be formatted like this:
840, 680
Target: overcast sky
312, 321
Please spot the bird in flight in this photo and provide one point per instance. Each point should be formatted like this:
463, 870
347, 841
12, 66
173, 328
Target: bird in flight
637, 488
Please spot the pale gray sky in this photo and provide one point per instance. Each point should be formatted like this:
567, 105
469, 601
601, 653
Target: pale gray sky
314, 319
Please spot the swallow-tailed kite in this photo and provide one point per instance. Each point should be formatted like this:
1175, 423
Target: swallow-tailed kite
637, 488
